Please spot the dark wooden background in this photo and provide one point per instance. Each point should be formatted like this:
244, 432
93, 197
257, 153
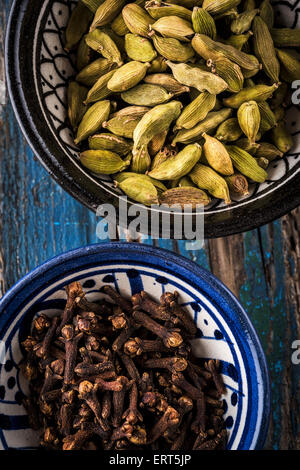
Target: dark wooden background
38, 220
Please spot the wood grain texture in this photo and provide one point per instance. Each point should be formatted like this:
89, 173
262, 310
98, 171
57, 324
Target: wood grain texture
262, 267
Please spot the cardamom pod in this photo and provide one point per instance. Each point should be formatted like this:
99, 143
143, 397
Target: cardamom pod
282, 138
155, 121
148, 95
185, 196
217, 156
101, 42
172, 49
196, 111
103, 162
197, 78
243, 22
229, 130
246, 164
99, 90
227, 15
212, 120
249, 5
93, 5
83, 54
76, 106
262, 162
244, 144
264, 49
286, 37
289, 59
173, 27
168, 82
140, 190
268, 151
93, 120
204, 23
106, 13
256, 93
137, 19
122, 126
178, 166
185, 3
107, 141
158, 65
229, 72
127, 76
133, 112
279, 96
217, 7
119, 26
249, 119
77, 25
141, 160
266, 12
268, 118
120, 177
92, 72
209, 49
139, 48
186, 182
158, 9
237, 184
163, 155
206, 178
240, 41
157, 143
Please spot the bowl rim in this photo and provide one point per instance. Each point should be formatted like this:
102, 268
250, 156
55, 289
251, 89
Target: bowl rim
221, 223
217, 291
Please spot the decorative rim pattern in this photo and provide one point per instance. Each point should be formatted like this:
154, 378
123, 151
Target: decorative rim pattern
225, 332
49, 68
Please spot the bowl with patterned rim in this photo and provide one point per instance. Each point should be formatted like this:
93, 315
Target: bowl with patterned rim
35, 55
224, 329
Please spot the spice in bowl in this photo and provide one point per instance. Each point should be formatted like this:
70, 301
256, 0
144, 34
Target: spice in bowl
120, 374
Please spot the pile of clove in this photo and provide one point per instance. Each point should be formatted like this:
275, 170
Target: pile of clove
119, 374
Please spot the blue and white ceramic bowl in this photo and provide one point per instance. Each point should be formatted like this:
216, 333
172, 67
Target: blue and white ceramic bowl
224, 329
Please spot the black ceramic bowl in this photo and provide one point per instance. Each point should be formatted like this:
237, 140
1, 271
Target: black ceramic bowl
38, 70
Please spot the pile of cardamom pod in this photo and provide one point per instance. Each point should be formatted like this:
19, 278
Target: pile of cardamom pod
180, 101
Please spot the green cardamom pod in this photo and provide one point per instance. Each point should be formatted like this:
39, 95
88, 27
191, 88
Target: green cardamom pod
237, 184
101, 42
132, 112
186, 182
289, 60
140, 190
93, 120
196, 111
107, 12
77, 25
249, 5
120, 177
262, 162
76, 106
158, 9
93, 5
282, 138
209, 49
264, 49
119, 26
141, 160
229, 130
173, 27
185, 196
246, 164
139, 48
240, 41
100, 91
157, 143
178, 166
83, 55
249, 147
163, 155
92, 72
212, 120
203, 23
229, 72
249, 119
137, 19
155, 121
243, 22
127, 76
197, 78
168, 82
122, 126
268, 151
266, 12
172, 49
206, 178
286, 37
148, 95
103, 162
107, 141
158, 65
268, 118
216, 155
217, 7
256, 93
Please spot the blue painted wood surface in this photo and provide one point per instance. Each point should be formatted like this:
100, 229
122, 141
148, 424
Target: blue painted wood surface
39, 220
